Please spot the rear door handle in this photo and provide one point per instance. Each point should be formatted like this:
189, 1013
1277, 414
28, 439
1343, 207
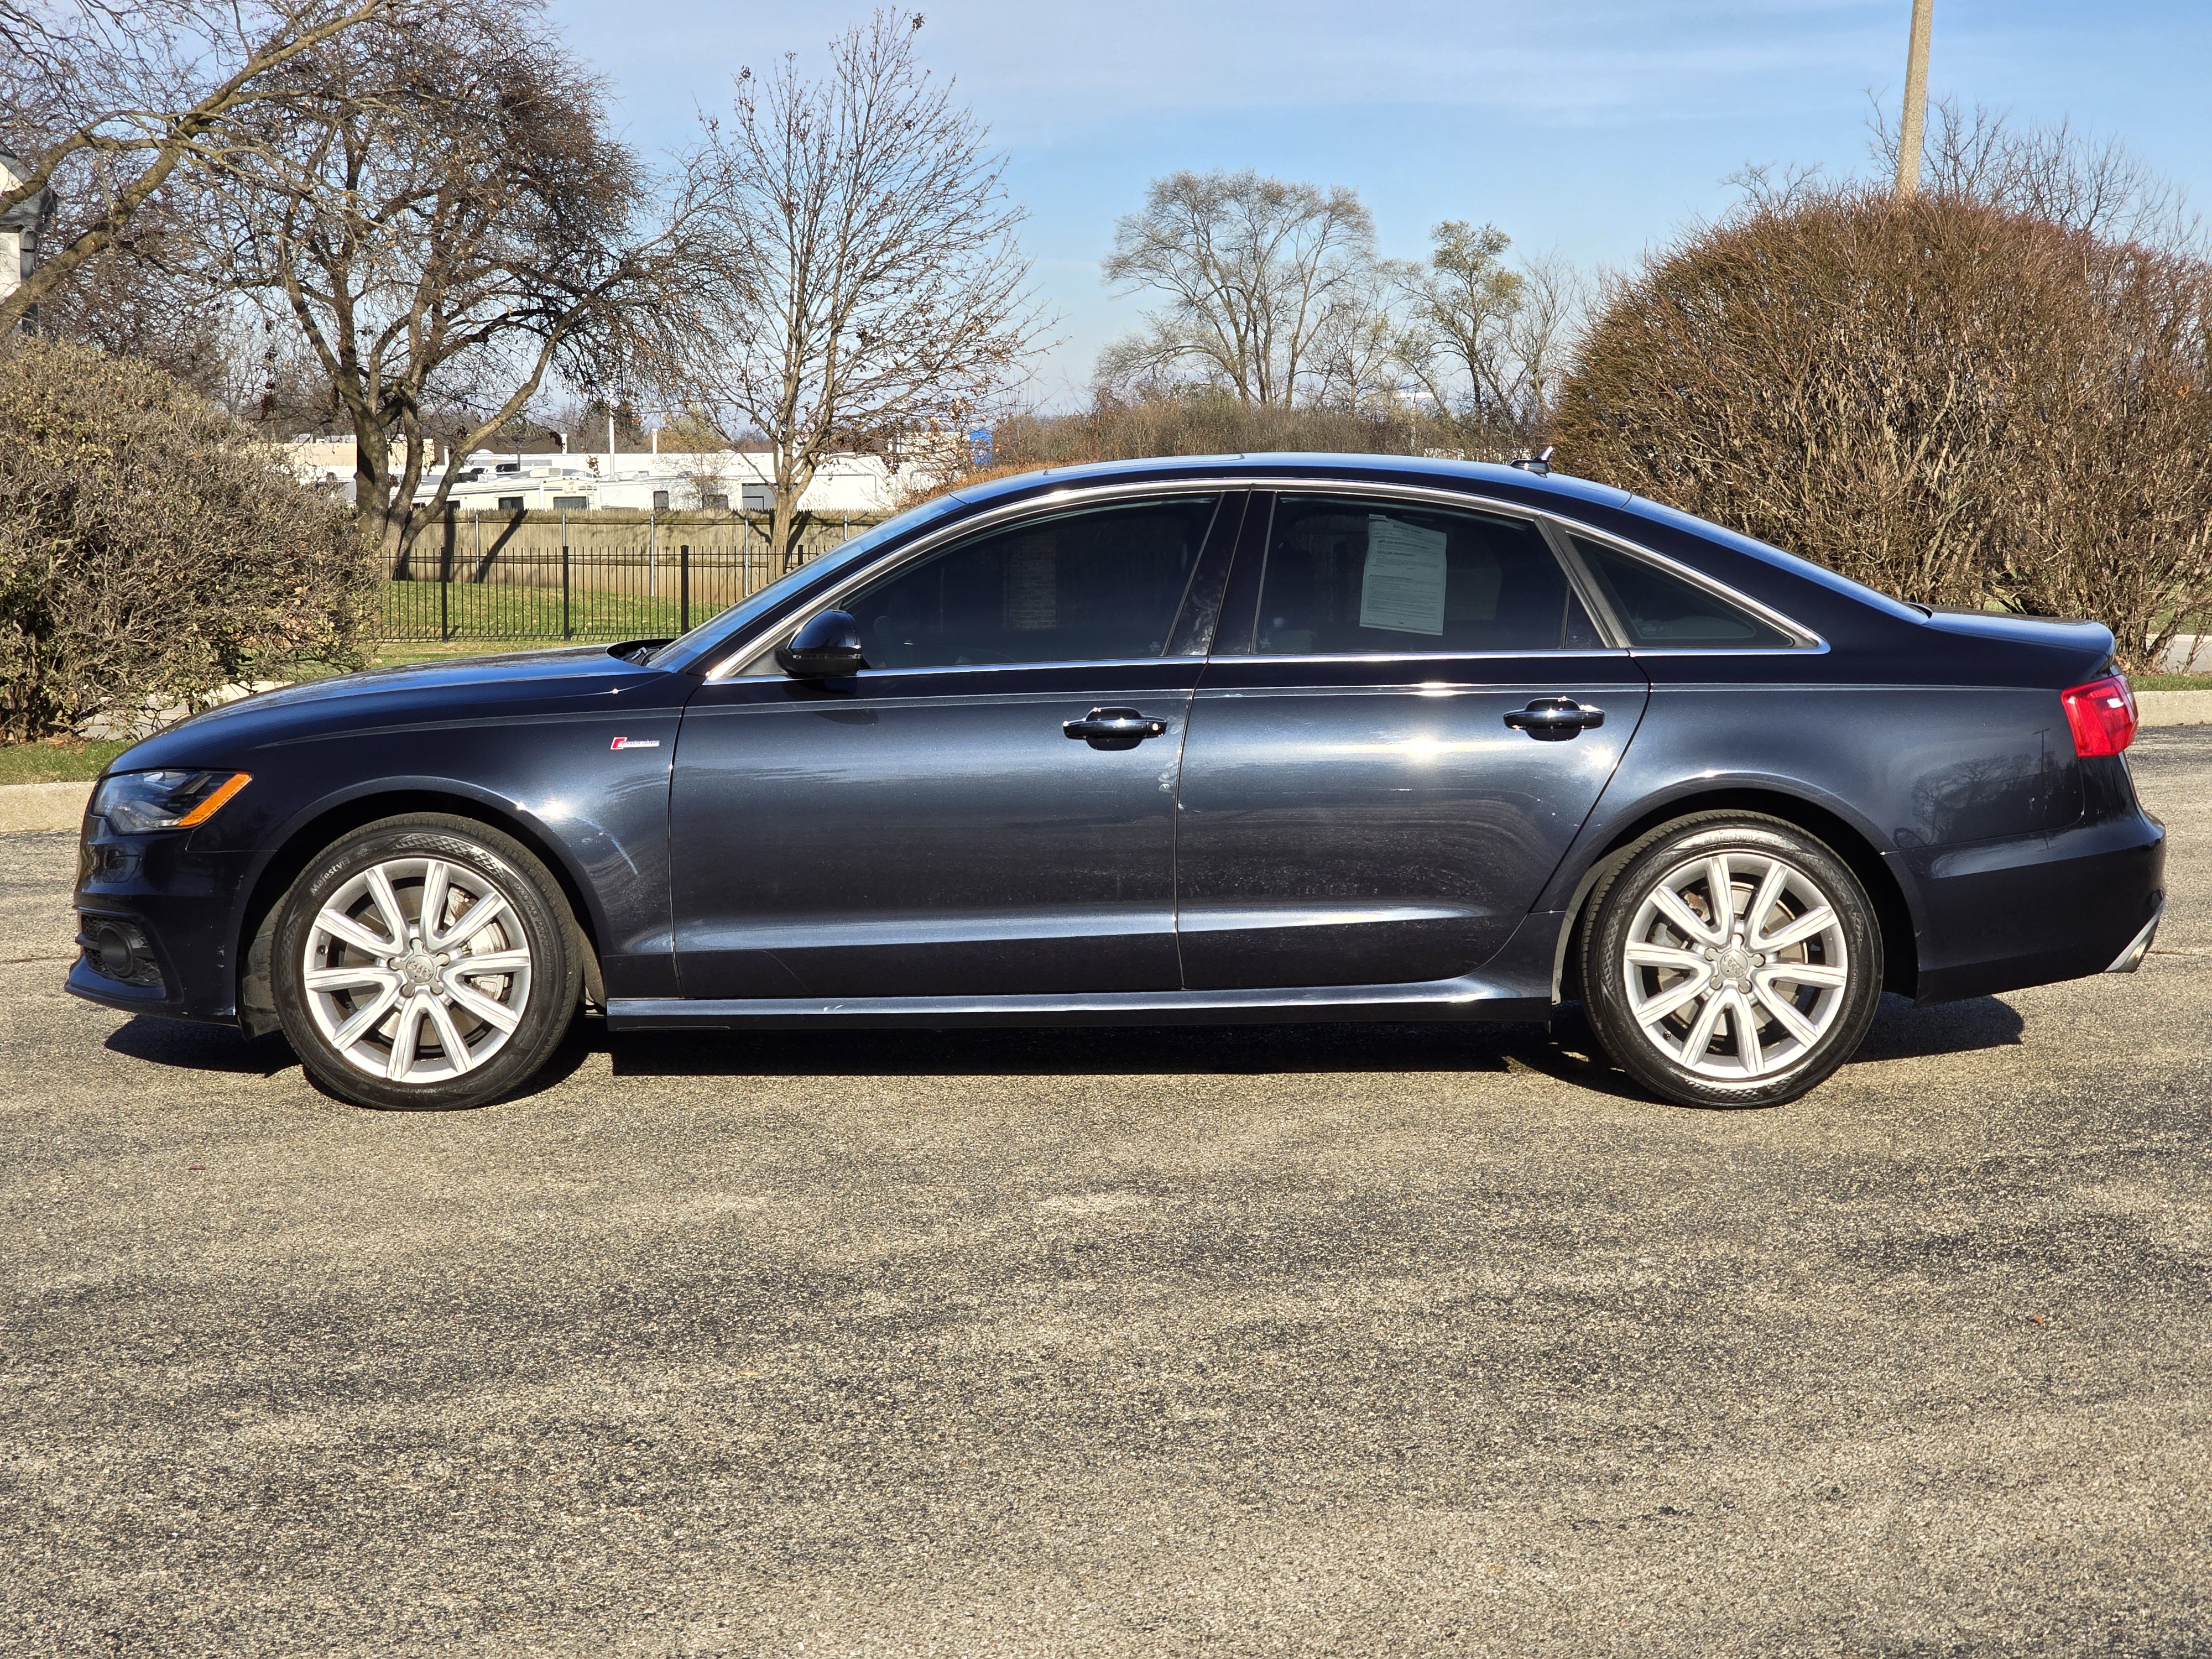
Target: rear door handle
1549, 718
1113, 728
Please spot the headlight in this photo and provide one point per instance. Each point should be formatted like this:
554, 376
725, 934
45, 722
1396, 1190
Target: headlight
139, 802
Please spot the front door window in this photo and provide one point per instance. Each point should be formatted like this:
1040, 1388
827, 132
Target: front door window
1097, 585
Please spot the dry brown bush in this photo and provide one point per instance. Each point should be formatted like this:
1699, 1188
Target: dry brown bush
1954, 402
149, 544
1201, 423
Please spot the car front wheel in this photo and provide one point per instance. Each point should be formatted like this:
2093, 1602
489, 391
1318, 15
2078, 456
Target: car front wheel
424, 962
1732, 960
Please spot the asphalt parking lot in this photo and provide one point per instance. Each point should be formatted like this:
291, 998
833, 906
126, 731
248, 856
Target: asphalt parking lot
1353, 1340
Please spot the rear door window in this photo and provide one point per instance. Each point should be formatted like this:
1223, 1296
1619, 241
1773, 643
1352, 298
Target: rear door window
1662, 612
1354, 575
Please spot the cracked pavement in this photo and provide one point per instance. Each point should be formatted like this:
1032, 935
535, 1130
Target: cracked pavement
1345, 1339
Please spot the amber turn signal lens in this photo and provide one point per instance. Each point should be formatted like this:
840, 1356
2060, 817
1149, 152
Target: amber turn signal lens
208, 808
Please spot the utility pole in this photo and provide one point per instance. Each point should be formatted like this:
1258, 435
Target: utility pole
1916, 103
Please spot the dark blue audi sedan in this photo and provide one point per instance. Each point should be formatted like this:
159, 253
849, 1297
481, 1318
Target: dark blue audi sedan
1242, 738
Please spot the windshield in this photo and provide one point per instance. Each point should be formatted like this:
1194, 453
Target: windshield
723, 624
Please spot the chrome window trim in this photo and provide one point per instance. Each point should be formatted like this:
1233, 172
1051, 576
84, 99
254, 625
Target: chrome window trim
1419, 656
1808, 640
1579, 579
1026, 667
728, 666
1555, 526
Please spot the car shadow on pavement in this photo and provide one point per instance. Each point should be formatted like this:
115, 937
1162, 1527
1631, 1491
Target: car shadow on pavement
1901, 1031
195, 1048
1459, 1047
1565, 1051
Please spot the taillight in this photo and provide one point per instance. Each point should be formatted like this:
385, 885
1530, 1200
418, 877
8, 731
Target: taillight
2102, 715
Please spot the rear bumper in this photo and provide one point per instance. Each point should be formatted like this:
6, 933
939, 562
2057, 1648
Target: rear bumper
2034, 910
2138, 947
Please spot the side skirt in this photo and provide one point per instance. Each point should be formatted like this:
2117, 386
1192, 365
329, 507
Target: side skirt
1514, 985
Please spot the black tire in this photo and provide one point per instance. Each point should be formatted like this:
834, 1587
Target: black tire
476, 860
1773, 1062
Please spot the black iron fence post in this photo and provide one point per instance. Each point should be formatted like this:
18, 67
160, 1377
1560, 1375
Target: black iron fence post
445, 583
683, 588
567, 632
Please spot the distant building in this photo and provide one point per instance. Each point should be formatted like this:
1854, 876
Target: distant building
23, 231
330, 461
499, 481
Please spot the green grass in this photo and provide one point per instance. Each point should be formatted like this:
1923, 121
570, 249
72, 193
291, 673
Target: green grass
2171, 682
55, 761
520, 616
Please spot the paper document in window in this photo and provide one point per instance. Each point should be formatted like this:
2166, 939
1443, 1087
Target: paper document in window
1403, 588
1033, 587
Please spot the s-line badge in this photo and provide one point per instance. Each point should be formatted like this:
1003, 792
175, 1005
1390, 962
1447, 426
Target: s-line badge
635, 743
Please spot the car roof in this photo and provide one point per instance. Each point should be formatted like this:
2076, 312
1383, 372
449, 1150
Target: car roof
1476, 477
1557, 492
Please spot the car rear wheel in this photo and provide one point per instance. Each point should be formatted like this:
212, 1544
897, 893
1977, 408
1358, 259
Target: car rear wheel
425, 961
1732, 960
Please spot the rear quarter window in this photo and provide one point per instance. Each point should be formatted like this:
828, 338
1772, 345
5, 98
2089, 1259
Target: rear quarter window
1662, 612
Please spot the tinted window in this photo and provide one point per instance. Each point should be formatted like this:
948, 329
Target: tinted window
1663, 611
1097, 584
1355, 576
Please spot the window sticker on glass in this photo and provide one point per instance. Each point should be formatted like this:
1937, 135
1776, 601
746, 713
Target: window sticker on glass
1403, 587
1033, 588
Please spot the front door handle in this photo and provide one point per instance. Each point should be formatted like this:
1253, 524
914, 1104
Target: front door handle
1550, 718
1113, 728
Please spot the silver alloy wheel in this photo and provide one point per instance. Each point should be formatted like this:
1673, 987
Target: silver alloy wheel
417, 970
1735, 965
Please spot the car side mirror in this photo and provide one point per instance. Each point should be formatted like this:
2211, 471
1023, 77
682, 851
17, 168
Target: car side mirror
827, 646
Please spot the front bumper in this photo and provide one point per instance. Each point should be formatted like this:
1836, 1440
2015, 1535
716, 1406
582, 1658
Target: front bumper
181, 902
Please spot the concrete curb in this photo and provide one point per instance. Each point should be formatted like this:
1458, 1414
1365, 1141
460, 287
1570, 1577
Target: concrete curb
25, 806
2174, 708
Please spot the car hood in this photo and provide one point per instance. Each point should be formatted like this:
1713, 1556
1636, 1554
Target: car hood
467, 688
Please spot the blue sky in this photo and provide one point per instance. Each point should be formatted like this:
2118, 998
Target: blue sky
1597, 127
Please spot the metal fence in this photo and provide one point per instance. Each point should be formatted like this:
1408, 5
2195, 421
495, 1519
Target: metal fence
604, 575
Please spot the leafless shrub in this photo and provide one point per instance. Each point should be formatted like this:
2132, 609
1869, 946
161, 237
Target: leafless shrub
2050, 171
1955, 401
149, 544
1196, 422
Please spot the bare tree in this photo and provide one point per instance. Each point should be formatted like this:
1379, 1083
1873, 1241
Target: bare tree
1356, 360
1483, 339
1541, 336
871, 285
147, 297
442, 213
108, 100
1252, 271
